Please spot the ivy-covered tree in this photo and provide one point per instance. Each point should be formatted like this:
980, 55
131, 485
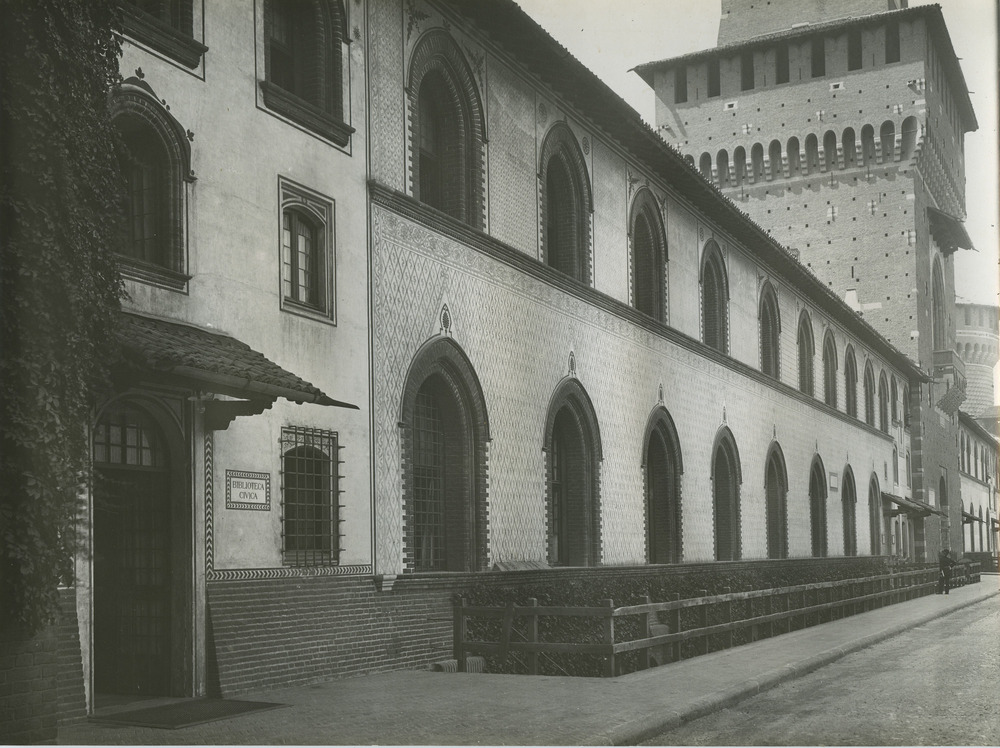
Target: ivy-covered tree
60, 198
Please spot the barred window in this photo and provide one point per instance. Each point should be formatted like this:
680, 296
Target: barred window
310, 494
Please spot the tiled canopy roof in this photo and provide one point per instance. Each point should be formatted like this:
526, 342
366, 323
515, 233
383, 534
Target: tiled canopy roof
911, 507
211, 360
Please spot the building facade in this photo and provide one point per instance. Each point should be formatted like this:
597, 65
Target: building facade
978, 461
977, 338
416, 302
839, 127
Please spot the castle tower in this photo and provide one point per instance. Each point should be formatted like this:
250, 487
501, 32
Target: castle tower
839, 127
977, 340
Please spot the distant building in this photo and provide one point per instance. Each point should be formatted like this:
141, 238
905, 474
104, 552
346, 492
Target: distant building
976, 340
839, 127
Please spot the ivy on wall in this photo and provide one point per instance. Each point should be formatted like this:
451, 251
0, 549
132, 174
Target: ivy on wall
60, 206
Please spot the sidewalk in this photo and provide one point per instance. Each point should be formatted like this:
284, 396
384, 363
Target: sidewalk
421, 707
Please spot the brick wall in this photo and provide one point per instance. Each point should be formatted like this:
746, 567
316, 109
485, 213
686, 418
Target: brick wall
41, 679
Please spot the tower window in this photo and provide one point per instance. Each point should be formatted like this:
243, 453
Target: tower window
818, 55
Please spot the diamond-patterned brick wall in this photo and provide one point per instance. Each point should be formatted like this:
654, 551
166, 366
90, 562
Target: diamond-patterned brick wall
513, 207
518, 332
385, 81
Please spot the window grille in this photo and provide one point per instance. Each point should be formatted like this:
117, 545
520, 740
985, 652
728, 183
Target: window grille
310, 495
428, 484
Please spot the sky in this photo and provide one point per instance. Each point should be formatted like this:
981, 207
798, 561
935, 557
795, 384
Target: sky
611, 38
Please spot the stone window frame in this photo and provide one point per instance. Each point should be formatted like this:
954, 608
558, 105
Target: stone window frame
437, 53
136, 101
174, 38
806, 343
850, 382
656, 257
769, 330
849, 503
570, 394
776, 455
660, 425
325, 112
443, 357
830, 368
321, 211
561, 143
818, 522
716, 316
726, 442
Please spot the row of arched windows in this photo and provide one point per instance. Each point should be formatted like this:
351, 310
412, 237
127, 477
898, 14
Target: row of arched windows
975, 458
445, 431
880, 412
801, 158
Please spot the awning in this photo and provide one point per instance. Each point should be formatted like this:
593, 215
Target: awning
948, 231
968, 518
211, 361
911, 507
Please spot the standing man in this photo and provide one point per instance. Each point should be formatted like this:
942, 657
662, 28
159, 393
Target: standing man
945, 562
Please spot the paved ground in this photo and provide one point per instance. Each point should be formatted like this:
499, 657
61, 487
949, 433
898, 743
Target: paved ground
422, 708
935, 684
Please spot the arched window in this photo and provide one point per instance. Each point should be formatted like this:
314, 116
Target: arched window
792, 153
726, 479
705, 166
875, 516
714, 298
849, 501
830, 150
895, 467
302, 64
939, 332
776, 490
155, 164
908, 468
909, 131
649, 254
309, 508
739, 166
851, 382
867, 145
302, 255
850, 147
883, 403
869, 395
722, 166
770, 332
573, 508
943, 492
887, 136
829, 370
566, 204
812, 153
445, 431
817, 507
449, 130
807, 352
963, 463
774, 153
662, 467
906, 407
757, 162
893, 398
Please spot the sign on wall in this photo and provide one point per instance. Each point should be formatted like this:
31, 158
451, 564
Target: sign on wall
246, 490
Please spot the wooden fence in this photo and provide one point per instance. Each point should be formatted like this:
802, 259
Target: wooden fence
788, 607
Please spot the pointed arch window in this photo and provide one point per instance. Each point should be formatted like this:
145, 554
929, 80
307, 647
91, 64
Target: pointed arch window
869, 395
573, 449
807, 352
776, 490
849, 502
662, 468
303, 74
566, 204
444, 436
883, 403
817, 507
875, 516
649, 252
893, 400
938, 315
770, 332
829, 370
714, 298
726, 480
448, 134
851, 382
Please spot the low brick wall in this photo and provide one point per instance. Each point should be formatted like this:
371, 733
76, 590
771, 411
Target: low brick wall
273, 632
41, 679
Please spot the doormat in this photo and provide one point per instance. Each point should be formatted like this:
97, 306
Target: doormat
184, 713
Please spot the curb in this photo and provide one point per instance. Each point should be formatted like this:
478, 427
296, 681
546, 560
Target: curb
636, 731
